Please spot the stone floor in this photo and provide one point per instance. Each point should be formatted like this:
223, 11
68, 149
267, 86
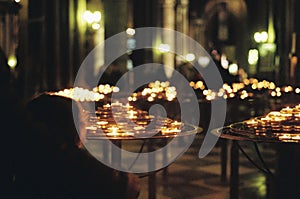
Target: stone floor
192, 178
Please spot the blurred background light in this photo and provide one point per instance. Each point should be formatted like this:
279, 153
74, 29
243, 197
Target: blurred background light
233, 69
12, 62
253, 56
261, 37
203, 61
130, 31
190, 57
164, 48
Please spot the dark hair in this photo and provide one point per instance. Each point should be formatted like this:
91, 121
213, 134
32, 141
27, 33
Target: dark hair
54, 115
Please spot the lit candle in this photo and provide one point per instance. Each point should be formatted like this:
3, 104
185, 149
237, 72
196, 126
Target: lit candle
113, 131
296, 137
176, 124
277, 119
102, 123
287, 110
287, 128
169, 131
117, 133
142, 123
261, 131
276, 123
106, 106
297, 108
117, 103
287, 116
266, 121
284, 137
274, 114
251, 123
297, 116
128, 106
297, 127
132, 114
91, 129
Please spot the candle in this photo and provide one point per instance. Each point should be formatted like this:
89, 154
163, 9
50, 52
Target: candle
297, 127
252, 123
132, 114
276, 121
169, 131
260, 131
142, 123
274, 114
297, 116
117, 103
266, 121
113, 131
128, 106
287, 128
106, 106
287, 110
287, 116
296, 137
276, 127
91, 129
297, 108
176, 124
139, 128
284, 137
102, 123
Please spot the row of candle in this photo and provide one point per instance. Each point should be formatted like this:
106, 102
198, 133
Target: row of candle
85, 95
156, 90
79, 94
240, 89
106, 89
276, 125
163, 90
117, 119
289, 137
285, 120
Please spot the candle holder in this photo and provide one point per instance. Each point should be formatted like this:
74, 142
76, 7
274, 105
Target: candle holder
261, 130
296, 137
297, 127
297, 116
169, 131
287, 128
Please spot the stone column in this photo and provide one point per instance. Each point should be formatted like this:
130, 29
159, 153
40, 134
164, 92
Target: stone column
115, 21
57, 44
182, 16
169, 23
23, 49
289, 27
182, 22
